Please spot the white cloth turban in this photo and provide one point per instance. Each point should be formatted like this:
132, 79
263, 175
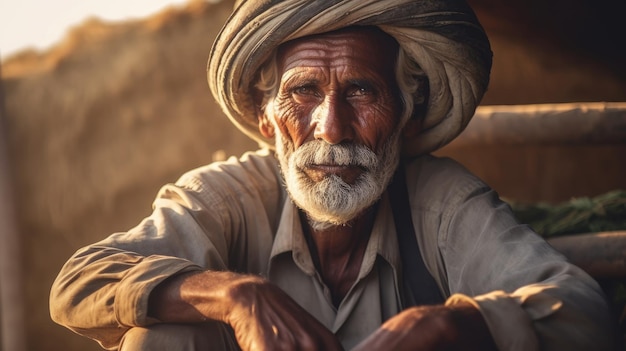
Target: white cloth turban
442, 36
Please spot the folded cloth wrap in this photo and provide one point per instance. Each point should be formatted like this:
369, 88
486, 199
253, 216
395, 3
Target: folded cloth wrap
442, 36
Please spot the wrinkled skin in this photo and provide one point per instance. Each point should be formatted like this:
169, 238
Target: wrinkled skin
337, 89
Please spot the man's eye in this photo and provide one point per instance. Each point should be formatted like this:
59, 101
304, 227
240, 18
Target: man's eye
359, 91
304, 90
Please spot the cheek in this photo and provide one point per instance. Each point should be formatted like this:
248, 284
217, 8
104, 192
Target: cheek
377, 124
292, 120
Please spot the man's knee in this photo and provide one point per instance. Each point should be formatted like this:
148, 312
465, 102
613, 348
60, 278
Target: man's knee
212, 336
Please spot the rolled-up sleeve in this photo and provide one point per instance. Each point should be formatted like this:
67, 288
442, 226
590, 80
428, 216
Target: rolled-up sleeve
199, 223
103, 289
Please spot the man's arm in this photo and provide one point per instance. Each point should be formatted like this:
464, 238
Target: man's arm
531, 298
197, 224
262, 316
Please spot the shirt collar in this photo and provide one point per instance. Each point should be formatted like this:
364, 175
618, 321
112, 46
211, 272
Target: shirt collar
290, 238
383, 240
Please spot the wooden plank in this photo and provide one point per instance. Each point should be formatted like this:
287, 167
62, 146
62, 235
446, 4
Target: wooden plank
566, 123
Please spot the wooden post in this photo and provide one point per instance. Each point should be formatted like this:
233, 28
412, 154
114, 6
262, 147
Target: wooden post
11, 274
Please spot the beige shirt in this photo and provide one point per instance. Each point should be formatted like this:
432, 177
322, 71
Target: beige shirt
236, 216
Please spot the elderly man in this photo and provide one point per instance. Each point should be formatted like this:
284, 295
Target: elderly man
342, 233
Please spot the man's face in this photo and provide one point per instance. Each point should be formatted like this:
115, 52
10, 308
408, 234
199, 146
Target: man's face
336, 122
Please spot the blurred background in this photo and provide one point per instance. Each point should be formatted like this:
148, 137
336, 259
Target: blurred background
40, 24
96, 119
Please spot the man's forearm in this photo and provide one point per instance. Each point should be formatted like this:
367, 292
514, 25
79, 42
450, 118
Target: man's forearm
197, 296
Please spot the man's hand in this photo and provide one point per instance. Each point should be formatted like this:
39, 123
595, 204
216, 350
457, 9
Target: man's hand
455, 327
262, 316
266, 318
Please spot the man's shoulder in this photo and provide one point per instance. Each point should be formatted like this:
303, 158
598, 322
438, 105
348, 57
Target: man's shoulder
440, 170
256, 169
440, 180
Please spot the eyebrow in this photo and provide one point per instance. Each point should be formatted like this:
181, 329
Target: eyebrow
299, 78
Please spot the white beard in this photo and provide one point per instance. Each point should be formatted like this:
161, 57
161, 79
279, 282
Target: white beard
332, 201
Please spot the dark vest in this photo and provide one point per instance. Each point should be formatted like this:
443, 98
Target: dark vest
419, 286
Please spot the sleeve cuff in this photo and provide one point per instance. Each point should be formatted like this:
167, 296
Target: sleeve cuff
510, 326
131, 300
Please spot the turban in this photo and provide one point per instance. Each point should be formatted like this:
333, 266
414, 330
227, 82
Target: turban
442, 36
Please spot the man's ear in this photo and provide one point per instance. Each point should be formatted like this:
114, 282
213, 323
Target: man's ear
265, 125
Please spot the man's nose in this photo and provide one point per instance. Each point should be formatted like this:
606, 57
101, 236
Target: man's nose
333, 121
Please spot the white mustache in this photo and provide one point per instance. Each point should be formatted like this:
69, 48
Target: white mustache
318, 152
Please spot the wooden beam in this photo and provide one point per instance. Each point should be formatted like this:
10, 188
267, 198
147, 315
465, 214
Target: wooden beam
547, 124
602, 255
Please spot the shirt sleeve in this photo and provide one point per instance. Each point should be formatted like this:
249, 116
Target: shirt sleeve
103, 289
200, 223
531, 297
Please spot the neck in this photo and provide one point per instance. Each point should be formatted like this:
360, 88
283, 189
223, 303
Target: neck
337, 251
